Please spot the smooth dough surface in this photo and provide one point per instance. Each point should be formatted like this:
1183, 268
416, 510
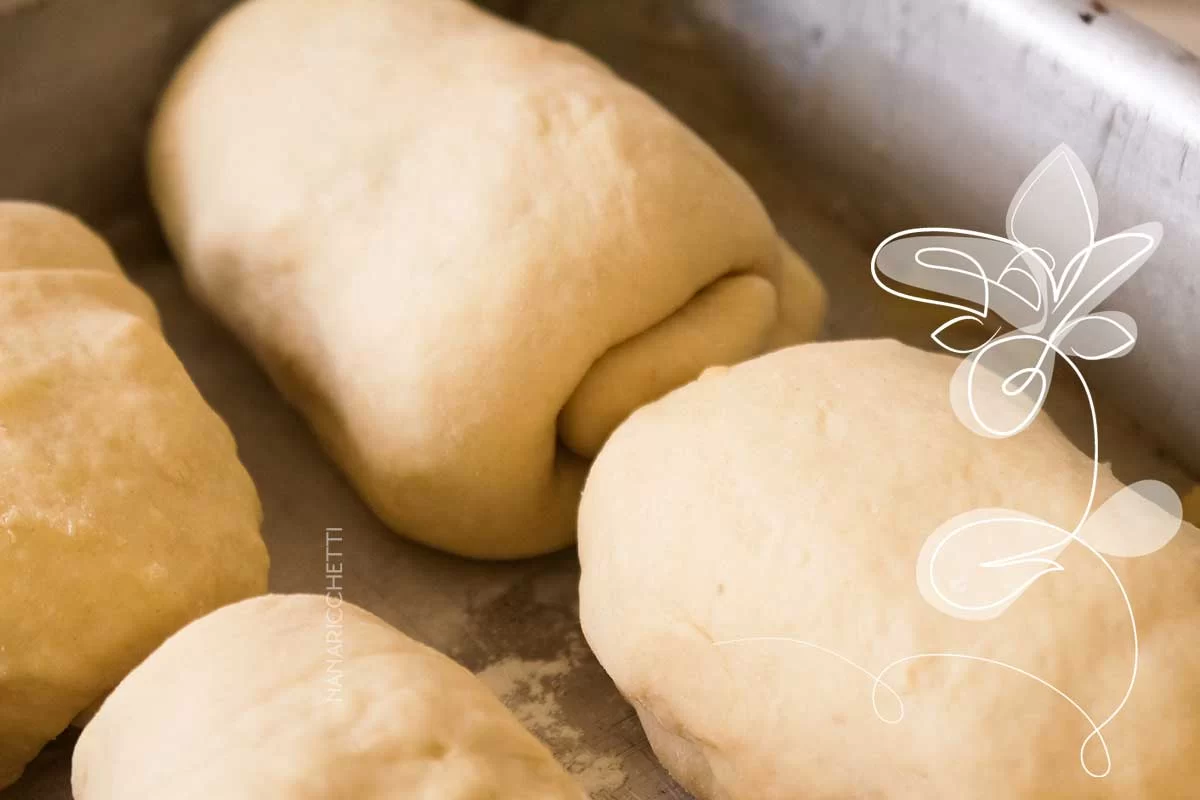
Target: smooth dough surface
124, 511
463, 251
306, 697
790, 496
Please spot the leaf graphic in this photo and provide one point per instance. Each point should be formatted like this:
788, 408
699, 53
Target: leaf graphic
1107, 334
987, 272
998, 391
1139, 520
967, 325
1029, 285
977, 564
1054, 213
1099, 271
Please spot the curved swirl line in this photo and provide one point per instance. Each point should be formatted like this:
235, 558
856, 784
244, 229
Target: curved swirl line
1149, 244
1022, 252
935, 336
877, 681
1097, 728
1021, 249
1036, 371
837, 655
1055, 567
1073, 535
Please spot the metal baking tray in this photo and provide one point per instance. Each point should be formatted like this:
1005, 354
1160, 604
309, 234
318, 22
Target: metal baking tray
853, 119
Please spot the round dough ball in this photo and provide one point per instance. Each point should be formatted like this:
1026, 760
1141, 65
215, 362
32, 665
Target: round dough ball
306, 697
463, 251
124, 511
39, 237
787, 501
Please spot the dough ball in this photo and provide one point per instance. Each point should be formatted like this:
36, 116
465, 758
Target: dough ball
463, 251
124, 511
306, 697
787, 501
35, 237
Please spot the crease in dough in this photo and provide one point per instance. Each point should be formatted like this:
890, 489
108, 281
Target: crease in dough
464, 252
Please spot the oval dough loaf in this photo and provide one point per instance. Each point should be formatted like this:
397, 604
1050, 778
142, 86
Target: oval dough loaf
789, 498
124, 511
304, 697
464, 252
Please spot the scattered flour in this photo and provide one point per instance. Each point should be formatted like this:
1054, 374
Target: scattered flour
529, 689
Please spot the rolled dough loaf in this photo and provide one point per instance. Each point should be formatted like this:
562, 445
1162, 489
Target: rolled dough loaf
306, 697
124, 511
463, 251
787, 500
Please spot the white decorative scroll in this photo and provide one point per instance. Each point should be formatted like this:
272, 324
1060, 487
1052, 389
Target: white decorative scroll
1045, 280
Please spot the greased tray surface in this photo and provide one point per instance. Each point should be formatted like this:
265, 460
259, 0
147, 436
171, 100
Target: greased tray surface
515, 624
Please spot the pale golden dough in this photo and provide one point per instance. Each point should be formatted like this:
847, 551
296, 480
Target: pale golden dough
790, 496
124, 511
304, 697
463, 251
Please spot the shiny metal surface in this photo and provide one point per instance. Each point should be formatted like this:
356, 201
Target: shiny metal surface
935, 111
853, 119
906, 112
931, 112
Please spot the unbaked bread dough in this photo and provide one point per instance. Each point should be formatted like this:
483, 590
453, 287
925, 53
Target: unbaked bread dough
787, 500
463, 251
306, 697
124, 511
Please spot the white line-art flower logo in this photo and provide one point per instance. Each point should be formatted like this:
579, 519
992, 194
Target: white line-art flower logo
1045, 278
